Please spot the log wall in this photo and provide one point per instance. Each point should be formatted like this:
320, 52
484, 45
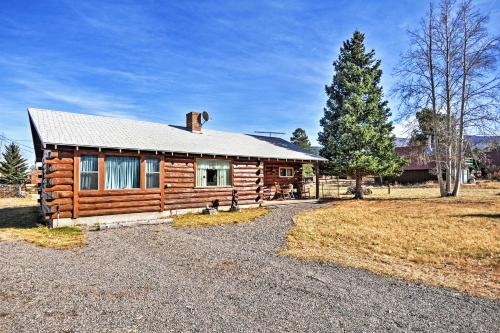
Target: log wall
272, 175
178, 190
56, 186
181, 191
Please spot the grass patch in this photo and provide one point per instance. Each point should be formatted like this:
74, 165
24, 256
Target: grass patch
18, 220
202, 220
411, 234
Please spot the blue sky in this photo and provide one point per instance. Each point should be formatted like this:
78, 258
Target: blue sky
255, 65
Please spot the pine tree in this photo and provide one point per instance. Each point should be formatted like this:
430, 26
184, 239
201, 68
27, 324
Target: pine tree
300, 138
357, 135
13, 168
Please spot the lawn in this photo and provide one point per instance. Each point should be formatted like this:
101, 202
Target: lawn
411, 234
201, 220
18, 220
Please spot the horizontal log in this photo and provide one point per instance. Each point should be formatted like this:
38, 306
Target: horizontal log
187, 163
59, 174
59, 167
207, 194
58, 188
179, 180
65, 160
109, 205
248, 179
249, 173
125, 210
59, 181
62, 208
250, 183
60, 154
210, 189
117, 192
179, 170
61, 201
120, 198
62, 215
59, 194
180, 185
179, 174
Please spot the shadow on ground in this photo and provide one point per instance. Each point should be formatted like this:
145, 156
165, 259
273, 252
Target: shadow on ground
19, 217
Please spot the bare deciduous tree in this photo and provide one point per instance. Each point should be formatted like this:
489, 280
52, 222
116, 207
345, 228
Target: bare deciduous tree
450, 68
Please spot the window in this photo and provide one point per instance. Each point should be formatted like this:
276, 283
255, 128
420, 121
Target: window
213, 173
121, 172
286, 172
152, 173
89, 174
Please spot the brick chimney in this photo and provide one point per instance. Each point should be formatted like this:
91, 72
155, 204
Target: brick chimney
193, 121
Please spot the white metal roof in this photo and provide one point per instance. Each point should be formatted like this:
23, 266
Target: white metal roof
82, 130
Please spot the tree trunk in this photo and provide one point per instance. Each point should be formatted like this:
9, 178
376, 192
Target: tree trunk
437, 153
359, 188
463, 98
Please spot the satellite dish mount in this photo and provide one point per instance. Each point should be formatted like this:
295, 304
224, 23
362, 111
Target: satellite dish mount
205, 117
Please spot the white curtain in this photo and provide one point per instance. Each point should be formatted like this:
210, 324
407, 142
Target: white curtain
89, 172
121, 172
222, 167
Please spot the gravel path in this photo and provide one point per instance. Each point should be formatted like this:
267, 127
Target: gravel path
157, 278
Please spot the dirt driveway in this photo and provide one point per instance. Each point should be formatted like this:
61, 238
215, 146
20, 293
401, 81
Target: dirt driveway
158, 278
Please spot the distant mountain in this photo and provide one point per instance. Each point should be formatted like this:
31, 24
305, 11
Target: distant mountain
482, 141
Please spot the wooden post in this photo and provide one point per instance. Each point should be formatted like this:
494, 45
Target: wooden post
76, 182
162, 183
317, 180
142, 173
101, 171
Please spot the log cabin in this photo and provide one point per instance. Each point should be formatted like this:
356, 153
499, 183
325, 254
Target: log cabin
98, 169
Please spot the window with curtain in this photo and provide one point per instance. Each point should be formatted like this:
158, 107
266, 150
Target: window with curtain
121, 172
89, 172
152, 173
213, 172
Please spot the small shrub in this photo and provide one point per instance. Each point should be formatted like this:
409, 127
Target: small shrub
352, 190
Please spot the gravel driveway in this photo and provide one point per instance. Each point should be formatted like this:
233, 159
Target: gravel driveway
157, 278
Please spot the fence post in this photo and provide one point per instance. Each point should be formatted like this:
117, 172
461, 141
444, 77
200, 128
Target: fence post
317, 180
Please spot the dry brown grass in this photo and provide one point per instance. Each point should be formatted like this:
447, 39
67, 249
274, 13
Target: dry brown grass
18, 220
411, 234
201, 220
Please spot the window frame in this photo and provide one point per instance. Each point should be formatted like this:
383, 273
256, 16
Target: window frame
146, 158
80, 172
231, 163
286, 173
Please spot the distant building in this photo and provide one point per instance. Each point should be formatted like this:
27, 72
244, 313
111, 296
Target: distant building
490, 165
420, 167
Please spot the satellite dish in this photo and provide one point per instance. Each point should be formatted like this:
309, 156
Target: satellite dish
205, 116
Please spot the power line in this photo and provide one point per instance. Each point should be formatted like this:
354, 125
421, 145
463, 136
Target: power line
16, 141
25, 148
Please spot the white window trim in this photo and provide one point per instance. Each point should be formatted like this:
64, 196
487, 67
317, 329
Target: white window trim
231, 163
286, 168
152, 173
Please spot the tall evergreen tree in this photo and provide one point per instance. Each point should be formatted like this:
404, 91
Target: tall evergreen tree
357, 135
13, 168
300, 138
